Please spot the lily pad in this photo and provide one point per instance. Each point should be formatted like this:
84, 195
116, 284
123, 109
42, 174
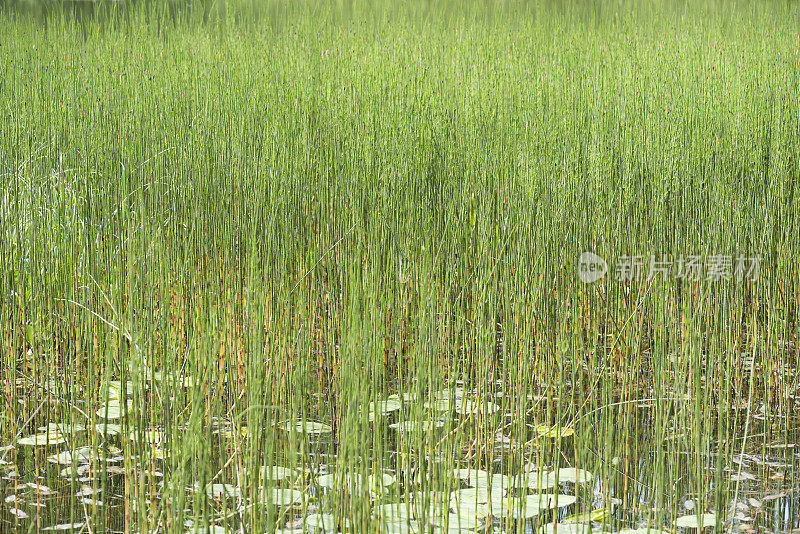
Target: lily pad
385, 407
561, 500
572, 475
416, 426
79, 455
274, 473
378, 483
441, 405
400, 527
471, 477
526, 508
478, 478
38, 489
109, 429
283, 496
538, 480
153, 437
45, 438
463, 520
336, 480
64, 527
113, 389
565, 528
396, 511
64, 428
321, 521
470, 498
694, 521
113, 409
306, 427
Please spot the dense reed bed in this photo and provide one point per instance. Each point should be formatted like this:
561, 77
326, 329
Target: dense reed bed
335, 240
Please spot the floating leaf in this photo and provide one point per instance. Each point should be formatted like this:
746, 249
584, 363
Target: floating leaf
429, 506
385, 407
470, 498
471, 477
465, 520
64, 527
527, 508
79, 455
755, 503
496, 508
45, 438
151, 436
397, 511
87, 491
562, 500
109, 429
274, 473
113, 390
335, 480
64, 428
321, 521
306, 427
39, 489
416, 426
441, 405
283, 497
478, 478
378, 483
400, 527
694, 521
538, 480
18, 513
516, 508
571, 475
76, 471
113, 409
565, 528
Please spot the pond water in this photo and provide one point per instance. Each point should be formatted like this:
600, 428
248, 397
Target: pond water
431, 467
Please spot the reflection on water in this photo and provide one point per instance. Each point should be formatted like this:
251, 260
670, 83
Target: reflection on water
504, 484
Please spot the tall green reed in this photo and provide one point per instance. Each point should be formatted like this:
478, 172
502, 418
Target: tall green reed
306, 208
